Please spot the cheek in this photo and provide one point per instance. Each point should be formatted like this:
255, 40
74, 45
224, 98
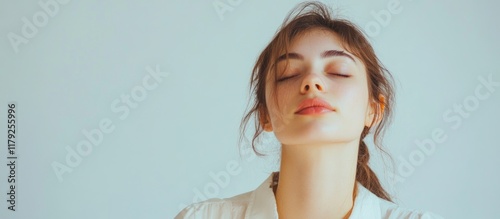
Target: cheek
279, 106
283, 95
275, 96
352, 98
272, 101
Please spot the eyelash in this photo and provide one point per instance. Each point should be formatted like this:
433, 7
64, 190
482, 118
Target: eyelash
341, 75
286, 78
333, 74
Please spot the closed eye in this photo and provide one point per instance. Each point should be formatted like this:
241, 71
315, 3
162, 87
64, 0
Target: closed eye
286, 78
340, 75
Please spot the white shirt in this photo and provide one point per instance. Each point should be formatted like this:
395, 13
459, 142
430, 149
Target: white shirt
261, 203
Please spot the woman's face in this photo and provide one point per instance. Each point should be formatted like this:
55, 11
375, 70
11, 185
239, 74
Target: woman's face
319, 67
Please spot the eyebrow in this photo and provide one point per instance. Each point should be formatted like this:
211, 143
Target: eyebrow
325, 54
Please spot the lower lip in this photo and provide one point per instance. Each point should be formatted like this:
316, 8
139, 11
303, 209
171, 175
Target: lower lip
314, 110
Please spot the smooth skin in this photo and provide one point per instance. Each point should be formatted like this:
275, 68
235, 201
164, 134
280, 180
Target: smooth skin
319, 151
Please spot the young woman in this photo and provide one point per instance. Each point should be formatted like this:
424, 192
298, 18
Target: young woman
321, 89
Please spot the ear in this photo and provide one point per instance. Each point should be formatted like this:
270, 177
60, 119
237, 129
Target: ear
265, 121
372, 118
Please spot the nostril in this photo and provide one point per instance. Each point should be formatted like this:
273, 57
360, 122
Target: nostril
318, 86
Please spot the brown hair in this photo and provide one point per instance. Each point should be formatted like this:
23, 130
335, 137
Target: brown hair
299, 21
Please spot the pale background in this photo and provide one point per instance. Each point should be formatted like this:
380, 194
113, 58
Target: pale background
66, 77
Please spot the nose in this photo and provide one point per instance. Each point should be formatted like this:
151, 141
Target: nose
312, 83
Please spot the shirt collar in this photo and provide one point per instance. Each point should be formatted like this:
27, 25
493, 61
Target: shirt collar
263, 203
366, 204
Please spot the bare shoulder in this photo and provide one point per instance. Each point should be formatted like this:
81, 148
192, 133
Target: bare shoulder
233, 207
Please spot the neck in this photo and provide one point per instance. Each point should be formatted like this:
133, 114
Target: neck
317, 181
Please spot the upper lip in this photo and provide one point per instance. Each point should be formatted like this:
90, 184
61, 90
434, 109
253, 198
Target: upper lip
314, 102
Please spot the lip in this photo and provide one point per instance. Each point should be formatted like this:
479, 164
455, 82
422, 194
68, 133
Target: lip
313, 106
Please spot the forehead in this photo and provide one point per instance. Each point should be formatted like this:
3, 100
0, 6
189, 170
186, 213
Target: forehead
312, 42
